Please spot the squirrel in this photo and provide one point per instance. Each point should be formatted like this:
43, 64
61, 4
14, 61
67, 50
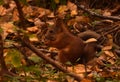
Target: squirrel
71, 48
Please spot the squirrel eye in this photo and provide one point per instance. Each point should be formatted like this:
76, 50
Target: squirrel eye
51, 31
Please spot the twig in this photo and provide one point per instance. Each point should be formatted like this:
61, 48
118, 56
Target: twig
23, 21
51, 61
4, 69
2, 62
97, 15
112, 30
19, 8
23, 52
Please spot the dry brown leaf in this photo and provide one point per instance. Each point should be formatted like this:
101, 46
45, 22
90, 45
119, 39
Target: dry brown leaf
62, 9
38, 22
110, 56
106, 56
2, 10
52, 81
15, 16
7, 28
106, 13
110, 74
99, 61
23, 62
93, 62
57, 1
73, 13
12, 4
79, 19
27, 10
52, 49
82, 19
50, 22
86, 80
110, 40
34, 39
107, 48
71, 22
32, 29
79, 69
39, 12
73, 8
109, 53
51, 15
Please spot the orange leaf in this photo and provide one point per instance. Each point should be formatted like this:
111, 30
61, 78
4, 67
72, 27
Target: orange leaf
86, 80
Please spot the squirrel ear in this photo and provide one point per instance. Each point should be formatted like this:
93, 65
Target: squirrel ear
59, 23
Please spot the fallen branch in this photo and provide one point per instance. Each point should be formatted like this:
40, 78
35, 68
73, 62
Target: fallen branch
97, 15
23, 51
27, 43
4, 70
2, 61
23, 21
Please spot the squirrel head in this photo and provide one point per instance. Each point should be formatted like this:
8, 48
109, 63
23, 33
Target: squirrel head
55, 33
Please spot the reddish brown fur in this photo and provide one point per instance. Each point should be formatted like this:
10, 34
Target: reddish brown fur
71, 47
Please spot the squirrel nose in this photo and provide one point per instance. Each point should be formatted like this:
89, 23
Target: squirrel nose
49, 38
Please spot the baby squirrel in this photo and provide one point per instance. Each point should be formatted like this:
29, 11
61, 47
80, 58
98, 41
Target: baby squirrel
70, 47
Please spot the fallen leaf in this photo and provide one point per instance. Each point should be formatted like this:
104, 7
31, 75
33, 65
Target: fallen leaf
73, 13
7, 28
2, 11
15, 16
86, 80
79, 69
51, 15
110, 74
50, 22
83, 19
27, 10
109, 53
34, 39
62, 9
110, 40
107, 48
32, 29
73, 8
38, 22
71, 22
106, 13
57, 1
110, 56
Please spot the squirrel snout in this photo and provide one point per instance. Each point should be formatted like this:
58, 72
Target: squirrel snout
50, 38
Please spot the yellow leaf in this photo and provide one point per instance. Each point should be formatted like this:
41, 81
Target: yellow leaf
62, 9
86, 80
73, 13
57, 1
